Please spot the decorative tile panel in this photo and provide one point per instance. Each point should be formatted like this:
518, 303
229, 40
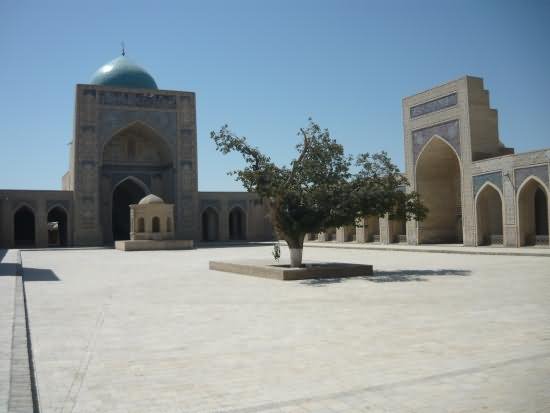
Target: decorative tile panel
494, 177
140, 100
448, 131
433, 105
540, 171
111, 121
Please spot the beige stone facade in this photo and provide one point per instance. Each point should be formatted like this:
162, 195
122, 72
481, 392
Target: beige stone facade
128, 143
132, 142
477, 190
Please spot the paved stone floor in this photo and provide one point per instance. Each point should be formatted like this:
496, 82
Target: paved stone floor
7, 294
159, 332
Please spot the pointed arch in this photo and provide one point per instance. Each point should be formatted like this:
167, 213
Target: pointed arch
138, 143
237, 223
135, 180
210, 224
136, 124
438, 180
489, 215
58, 226
129, 190
533, 212
429, 142
24, 226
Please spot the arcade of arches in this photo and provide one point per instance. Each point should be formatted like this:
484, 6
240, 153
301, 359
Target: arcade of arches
236, 225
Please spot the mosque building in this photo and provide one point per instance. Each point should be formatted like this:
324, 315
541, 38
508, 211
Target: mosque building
132, 139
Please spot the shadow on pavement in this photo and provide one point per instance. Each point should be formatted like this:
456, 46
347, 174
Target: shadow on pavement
391, 276
39, 274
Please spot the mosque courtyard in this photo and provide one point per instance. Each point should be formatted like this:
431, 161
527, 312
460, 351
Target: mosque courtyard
159, 331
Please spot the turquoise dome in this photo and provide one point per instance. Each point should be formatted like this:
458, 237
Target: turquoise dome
123, 72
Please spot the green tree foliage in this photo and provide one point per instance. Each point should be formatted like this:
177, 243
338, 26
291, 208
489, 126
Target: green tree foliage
318, 190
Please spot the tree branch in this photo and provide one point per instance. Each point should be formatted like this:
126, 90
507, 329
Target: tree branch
300, 158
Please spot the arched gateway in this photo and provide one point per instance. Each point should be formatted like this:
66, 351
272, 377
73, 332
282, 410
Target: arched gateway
126, 193
439, 184
24, 227
489, 216
533, 213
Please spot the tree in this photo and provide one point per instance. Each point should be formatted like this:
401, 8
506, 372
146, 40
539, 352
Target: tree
318, 190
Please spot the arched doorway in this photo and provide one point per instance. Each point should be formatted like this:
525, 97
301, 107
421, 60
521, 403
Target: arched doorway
398, 228
24, 233
439, 185
237, 222
533, 213
210, 225
489, 216
126, 193
373, 229
57, 227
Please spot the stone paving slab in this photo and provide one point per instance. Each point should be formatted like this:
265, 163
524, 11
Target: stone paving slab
7, 296
159, 331
16, 387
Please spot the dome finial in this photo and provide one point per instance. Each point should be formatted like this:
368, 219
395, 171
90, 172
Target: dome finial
123, 49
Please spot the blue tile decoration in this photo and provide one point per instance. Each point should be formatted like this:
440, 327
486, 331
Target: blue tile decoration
449, 131
112, 120
434, 105
540, 171
494, 177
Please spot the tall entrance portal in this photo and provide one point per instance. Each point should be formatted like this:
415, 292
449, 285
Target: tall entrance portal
439, 186
126, 193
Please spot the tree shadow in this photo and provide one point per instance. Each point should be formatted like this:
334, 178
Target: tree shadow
39, 274
380, 276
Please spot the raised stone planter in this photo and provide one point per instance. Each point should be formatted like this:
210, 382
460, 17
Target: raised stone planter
286, 273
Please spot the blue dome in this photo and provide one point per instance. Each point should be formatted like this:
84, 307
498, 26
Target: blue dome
123, 72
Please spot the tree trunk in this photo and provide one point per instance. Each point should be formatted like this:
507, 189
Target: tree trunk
296, 257
296, 247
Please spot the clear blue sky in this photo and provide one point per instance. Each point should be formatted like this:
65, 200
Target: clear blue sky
265, 67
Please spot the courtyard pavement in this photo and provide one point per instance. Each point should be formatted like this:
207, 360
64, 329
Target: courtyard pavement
159, 332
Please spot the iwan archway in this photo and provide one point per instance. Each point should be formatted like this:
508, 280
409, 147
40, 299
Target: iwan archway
489, 216
438, 181
533, 212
